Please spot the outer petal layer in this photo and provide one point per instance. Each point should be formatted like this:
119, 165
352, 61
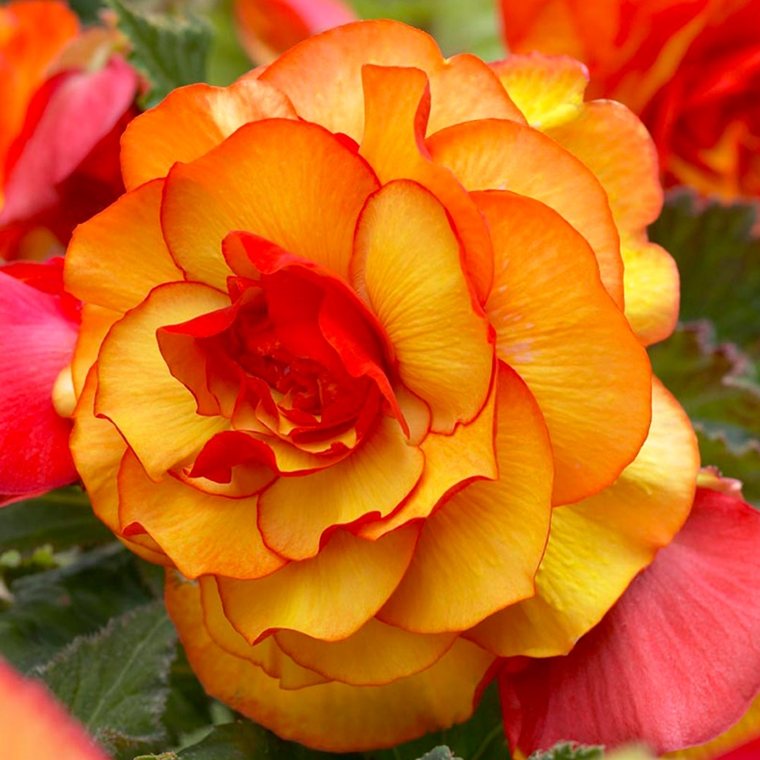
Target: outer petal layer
571, 345
331, 716
663, 665
598, 545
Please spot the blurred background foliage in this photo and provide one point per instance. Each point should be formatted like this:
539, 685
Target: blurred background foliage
63, 576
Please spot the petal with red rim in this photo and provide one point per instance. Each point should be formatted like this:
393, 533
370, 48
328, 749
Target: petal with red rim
166, 432
152, 144
674, 639
503, 155
201, 533
267, 654
293, 162
480, 550
34, 724
36, 341
137, 259
407, 266
572, 346
598, 545
397, 106
332, 716
356, 660
295, 513
329, 596
451, 462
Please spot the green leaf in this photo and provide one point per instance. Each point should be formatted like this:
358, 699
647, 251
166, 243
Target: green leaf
569, 751
170, 50
719, 261
60, 519
47, 610
115, 682
480, 738
717, 387
439, 753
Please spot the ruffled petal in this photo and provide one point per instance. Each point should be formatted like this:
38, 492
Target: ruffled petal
674, 663
598, 545
329, 596
152, 144
571, 345
504, 155
166, 432
137, 258
407, 267
293, 163
332, 716
480, 550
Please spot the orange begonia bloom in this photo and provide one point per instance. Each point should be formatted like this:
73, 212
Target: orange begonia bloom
363, 370
690, 69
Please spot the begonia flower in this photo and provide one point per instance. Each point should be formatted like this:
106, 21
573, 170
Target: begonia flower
61, 123
38, 329
674, 661
34, 726
691, 70
269, 27
363, 367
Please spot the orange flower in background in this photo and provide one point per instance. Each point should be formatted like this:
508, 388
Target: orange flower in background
689, 68
269, 27
364, 368
60, 126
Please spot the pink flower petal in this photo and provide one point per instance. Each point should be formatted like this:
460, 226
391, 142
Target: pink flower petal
674, 663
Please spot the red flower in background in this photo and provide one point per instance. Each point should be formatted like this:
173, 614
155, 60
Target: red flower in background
269, 27
34, 726
689, 68
60, 126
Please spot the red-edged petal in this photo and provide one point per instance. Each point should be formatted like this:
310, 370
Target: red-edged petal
37, 338
33, 725
674, 663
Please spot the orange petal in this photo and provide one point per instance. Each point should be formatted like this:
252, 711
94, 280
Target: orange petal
151, 144
201, 533
503, 155
480, 551
558, 328
322, 76
451, 461
155, 413
330, 596
397, 106
596, 547
332, 716
652, 290
97, 449
547, 89
615, 145
407, 267
267, 654
95, 324
355, 660
116, 258
370, 483
292, 163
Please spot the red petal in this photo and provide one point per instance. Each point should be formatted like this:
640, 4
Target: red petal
37, 338
33, 725
674, 663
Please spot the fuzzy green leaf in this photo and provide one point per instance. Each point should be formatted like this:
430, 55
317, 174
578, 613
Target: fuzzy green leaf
439, 753
569, 751
170, 50
719, 261
115, 681
717, 387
